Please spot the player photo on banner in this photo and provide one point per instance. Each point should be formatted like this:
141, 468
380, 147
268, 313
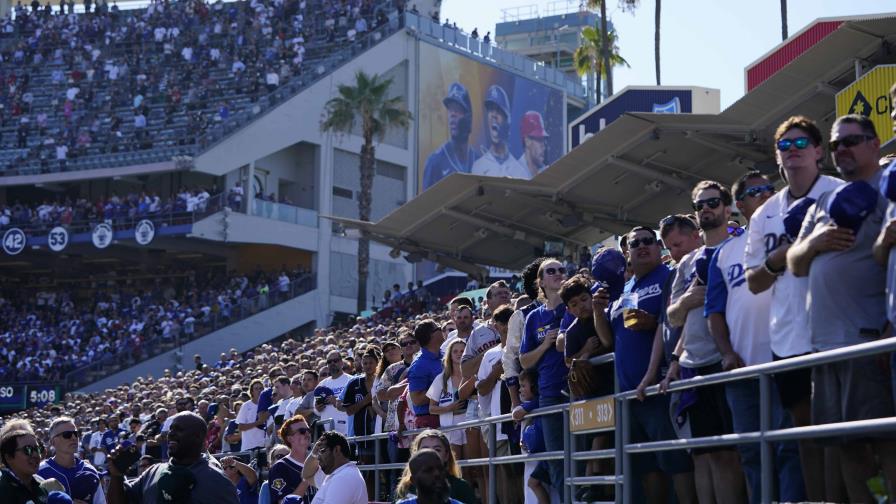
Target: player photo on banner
475, 118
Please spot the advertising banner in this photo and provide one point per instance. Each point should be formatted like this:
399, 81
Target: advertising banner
475, 118
870, 97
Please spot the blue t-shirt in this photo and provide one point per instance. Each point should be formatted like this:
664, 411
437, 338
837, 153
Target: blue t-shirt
81, 481
231, 429
413, 500
284, 477
552, 370
248, 494
633, 347
109, 440
423, 371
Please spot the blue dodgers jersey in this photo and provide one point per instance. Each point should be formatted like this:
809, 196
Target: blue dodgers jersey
81, 481
284, 477
633, 347
552, 370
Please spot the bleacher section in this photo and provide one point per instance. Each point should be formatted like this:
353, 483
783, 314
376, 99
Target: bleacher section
158, 62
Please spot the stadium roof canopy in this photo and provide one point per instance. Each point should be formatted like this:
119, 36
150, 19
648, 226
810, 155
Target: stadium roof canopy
641, 167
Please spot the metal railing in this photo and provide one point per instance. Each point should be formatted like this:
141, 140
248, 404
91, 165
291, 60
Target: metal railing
622, 479
244, 308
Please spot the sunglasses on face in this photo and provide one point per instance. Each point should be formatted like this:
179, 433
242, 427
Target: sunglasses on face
637, 242
735, 231
756, 191
334, 361
405, 344
800, 143
70, 434
849, 141
554, 271
712, 203
31, 450
301, 430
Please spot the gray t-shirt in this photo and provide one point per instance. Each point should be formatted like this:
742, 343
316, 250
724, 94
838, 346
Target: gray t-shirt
481, 339
699, 346
891, 269
212, 486
846, 302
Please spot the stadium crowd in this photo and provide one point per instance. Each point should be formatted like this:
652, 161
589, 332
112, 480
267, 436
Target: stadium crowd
812, 271
115, 208
49, 329
110, 80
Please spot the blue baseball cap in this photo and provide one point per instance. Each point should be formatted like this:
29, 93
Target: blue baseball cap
793, 218
84, 485
888, 182
608, 270
57, 497
533, 438
851, 203
322, 391
701, 264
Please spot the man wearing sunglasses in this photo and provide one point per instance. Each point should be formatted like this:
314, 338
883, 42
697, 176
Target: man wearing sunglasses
847, 305
649, 419
766, 261
739, 322
330, 407
717, 470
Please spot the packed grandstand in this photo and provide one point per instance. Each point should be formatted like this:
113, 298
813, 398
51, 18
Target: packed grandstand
180, 335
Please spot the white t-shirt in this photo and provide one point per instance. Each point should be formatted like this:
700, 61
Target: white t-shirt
344, 486
483, 337
337, 385
789, 322
445, 397
746, 314
490, 404
252, 438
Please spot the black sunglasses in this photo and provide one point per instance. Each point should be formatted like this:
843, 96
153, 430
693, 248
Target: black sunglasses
553, 271
800, 143
301, 430
712, 203
30, 450
849, 141
756, 191
637, 242
70, 434
334, 361
405, 344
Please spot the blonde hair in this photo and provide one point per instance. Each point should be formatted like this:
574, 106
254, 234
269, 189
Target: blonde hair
404, 484
448, 364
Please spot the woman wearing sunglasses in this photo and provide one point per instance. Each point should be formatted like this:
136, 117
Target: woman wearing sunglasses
285, 476
20, 454
80, 479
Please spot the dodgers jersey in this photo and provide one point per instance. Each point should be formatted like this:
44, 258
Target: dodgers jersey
493, 166
443, 162
789, 320
746, 314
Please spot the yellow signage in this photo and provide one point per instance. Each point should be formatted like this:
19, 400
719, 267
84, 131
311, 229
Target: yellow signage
870, 97
592, 414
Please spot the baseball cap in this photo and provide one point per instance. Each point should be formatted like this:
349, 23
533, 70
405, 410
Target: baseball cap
531, 125
84, 485
701, 264
850, 203
608, 270
457, 93
57, 497
796, 213
888, 182
322, 391
533, 438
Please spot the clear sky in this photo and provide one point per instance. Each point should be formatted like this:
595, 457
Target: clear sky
703, 42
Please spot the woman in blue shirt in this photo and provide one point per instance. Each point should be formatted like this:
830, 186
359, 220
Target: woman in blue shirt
538, 351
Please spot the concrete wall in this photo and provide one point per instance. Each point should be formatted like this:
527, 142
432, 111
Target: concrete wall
242, 228
242, 335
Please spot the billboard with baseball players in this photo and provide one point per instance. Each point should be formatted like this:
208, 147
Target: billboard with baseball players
475, 118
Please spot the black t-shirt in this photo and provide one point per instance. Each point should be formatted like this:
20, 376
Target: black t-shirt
577, 334
362, 421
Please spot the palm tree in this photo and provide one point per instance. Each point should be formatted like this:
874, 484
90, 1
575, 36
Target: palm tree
783, 19
656, 38
606, 46
588, 57
366, 103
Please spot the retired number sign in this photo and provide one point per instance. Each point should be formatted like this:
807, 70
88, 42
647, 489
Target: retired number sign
57, 240
14, 241
102, 236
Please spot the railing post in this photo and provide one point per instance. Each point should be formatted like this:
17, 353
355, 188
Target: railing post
626, 457
492, 452
376, 470
766, 463
568, 468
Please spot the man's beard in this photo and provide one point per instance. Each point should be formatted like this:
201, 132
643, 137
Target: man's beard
710, 223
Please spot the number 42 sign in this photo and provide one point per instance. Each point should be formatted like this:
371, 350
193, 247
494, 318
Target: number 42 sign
14, 241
